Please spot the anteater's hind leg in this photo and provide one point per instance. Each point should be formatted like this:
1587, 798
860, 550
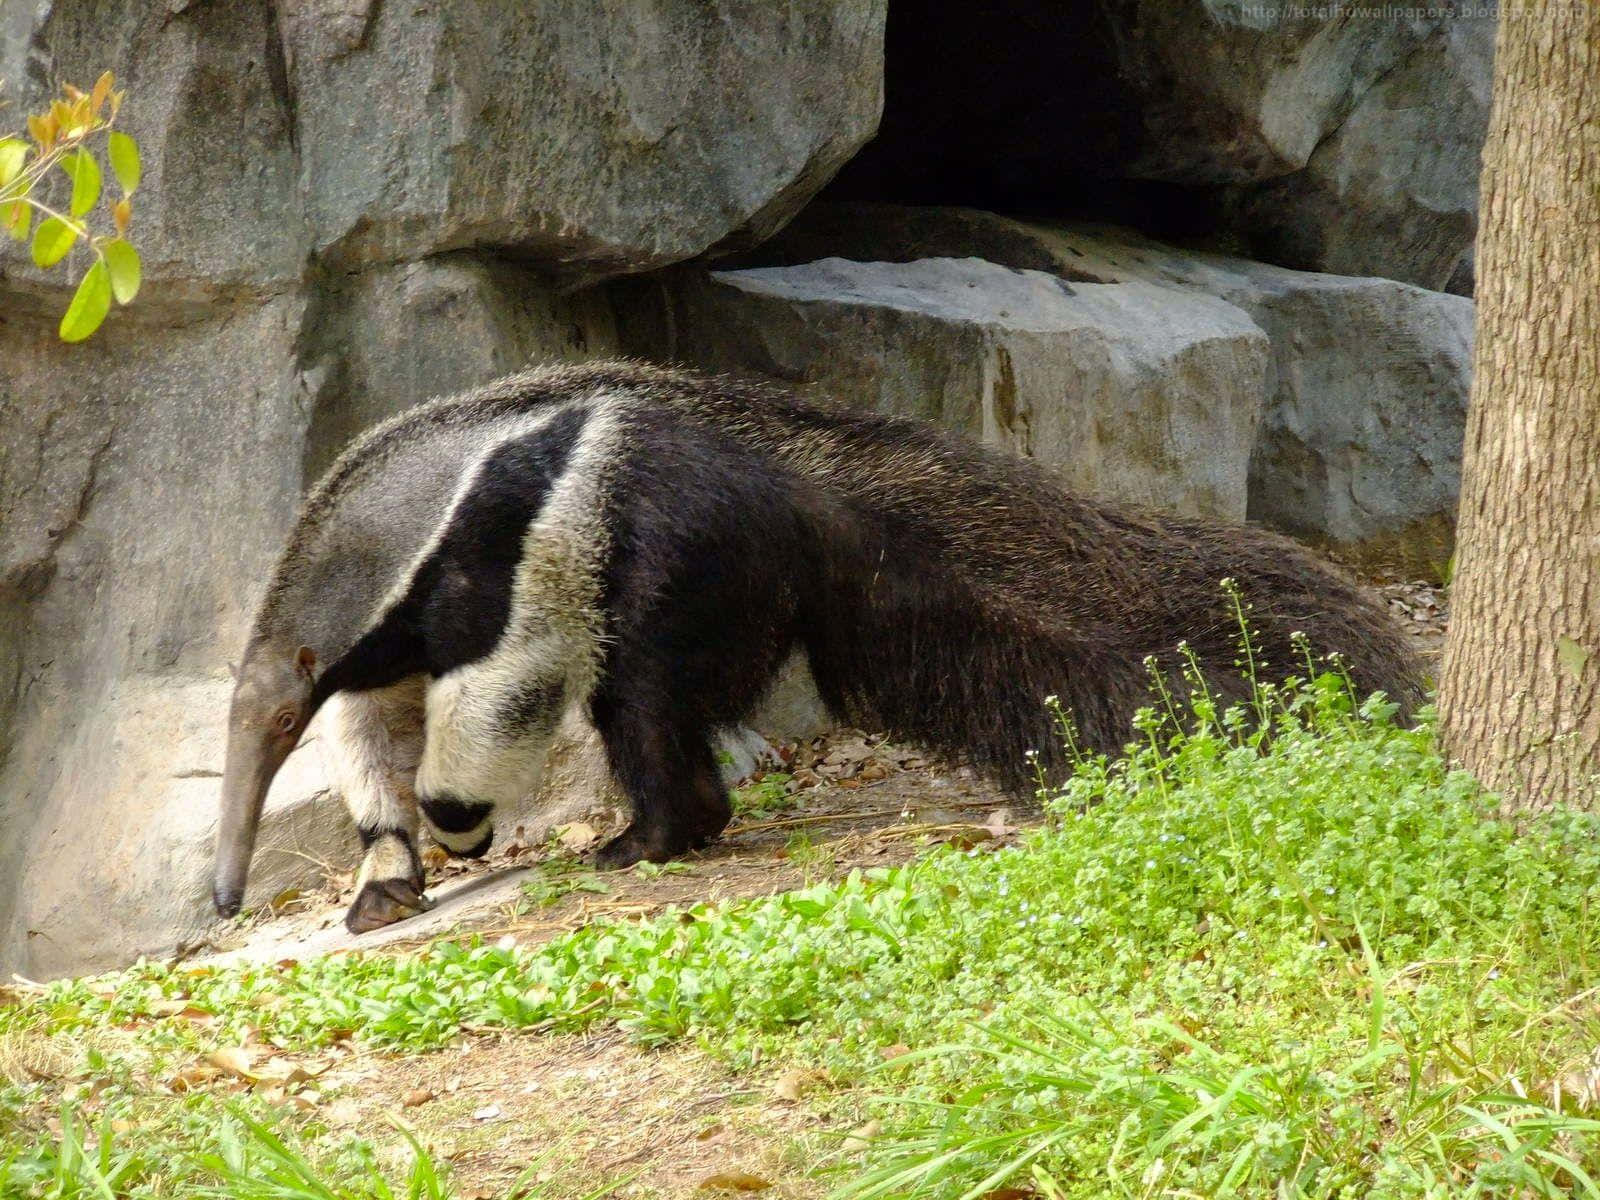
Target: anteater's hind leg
371, 749
671, 778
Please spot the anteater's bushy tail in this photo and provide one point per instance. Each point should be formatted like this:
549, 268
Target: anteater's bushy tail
950, 613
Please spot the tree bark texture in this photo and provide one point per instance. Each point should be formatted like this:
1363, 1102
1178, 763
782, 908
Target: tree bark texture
1519, 690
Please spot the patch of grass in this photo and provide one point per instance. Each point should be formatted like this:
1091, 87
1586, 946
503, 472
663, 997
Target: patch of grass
236, 1150
809, 856
764, 796
1309, 962
549, 881
1325, 970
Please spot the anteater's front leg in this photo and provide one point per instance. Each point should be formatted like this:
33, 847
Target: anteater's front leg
489, 726
374, 742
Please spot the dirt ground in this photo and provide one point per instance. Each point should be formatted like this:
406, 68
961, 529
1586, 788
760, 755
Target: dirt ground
582, 1112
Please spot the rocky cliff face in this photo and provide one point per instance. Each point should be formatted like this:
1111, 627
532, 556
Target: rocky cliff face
349, 206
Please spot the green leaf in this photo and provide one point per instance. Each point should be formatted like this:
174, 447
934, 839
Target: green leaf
17, 217
12, 154
124, 154
51, 241
85, 174
122, 260
90, 304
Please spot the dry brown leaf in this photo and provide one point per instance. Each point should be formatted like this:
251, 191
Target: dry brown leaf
888, 1053
858, 1138
735, 1181
577, 836
193, 1078
1009, 1193
415, 1097
286, 1074
968, 837
790, 1085
234, 1060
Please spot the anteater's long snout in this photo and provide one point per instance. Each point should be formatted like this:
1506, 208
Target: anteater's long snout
245, 780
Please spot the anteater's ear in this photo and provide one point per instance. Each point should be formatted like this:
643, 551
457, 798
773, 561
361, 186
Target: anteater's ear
305, 661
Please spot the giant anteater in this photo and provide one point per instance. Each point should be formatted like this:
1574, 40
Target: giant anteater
651, 545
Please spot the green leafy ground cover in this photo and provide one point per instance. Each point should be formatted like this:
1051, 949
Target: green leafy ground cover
1308, 963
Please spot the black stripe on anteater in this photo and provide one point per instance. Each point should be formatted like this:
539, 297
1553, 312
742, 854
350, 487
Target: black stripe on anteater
460, 599
371, 833
448, 814
532, 704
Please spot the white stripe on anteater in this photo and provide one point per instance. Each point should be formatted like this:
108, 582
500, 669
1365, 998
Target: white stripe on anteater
487, 732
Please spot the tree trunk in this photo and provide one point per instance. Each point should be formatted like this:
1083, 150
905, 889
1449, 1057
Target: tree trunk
1519, 693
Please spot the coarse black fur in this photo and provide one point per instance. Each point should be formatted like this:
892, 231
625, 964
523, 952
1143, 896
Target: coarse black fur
939, 590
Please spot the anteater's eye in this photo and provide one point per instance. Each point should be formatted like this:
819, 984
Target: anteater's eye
286, 721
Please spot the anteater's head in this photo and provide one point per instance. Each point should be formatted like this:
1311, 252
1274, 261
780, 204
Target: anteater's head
272, 701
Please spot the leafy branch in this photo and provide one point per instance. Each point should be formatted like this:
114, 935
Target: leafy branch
61, 137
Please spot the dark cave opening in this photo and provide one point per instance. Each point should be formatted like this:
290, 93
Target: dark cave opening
1020, 109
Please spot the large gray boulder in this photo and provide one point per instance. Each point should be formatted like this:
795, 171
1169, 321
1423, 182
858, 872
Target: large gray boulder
596, 139
1337, 142
146, 488
1393, 190
1132, 391
1359, 445
590, 140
